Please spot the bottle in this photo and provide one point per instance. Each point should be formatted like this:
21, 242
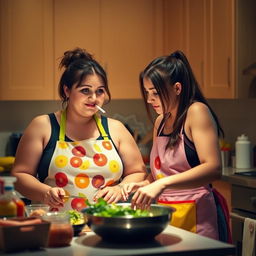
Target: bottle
243, 152
11, 195
8, 207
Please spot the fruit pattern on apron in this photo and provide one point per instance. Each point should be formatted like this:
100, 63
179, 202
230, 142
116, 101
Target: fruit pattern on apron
192, 205
81, 168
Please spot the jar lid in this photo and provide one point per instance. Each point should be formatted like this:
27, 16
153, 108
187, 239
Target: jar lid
56, 217
242, 137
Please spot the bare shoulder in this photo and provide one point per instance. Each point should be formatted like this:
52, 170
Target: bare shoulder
115, 125
41, 120
39, 124
199, 114
197, 108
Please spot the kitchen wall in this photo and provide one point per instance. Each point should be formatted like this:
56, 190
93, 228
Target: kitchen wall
236, 116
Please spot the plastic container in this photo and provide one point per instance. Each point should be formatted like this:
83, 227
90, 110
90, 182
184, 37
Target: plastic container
36, 210
61, 230
11, 195
8, 207
243, 152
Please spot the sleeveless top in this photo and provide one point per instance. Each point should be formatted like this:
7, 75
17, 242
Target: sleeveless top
42, 170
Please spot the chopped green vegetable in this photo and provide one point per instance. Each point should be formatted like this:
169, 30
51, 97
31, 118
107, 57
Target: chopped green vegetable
103, 209
75, 217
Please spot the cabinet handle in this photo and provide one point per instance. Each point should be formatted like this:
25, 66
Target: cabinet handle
229, 72
202, 73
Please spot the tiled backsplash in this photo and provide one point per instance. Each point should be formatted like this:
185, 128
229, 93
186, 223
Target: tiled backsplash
236, 116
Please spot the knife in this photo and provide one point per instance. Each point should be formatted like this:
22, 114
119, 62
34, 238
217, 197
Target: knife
72, 196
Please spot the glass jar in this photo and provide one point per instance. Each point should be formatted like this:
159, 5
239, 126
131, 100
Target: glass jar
61, 231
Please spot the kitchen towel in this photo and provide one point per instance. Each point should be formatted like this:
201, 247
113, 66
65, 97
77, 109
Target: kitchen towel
248, 248
223, 217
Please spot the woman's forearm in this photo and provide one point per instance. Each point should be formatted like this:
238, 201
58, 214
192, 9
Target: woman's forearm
134, 177
30, 187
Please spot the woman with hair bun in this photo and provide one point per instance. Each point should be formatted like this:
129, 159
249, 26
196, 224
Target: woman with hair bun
185, 156
75, 151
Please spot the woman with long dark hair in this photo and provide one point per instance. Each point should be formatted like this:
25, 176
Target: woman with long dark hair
185, 156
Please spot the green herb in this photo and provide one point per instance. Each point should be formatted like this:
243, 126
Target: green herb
75, 217
103, 209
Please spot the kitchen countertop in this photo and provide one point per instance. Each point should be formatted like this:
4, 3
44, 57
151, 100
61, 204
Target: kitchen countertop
228, 175
172, 241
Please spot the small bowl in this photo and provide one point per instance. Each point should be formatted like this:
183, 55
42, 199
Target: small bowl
78, 228
36, 210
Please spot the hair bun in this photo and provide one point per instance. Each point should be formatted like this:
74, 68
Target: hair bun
74, 55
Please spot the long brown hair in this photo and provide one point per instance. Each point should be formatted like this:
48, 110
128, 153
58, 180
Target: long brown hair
164, 72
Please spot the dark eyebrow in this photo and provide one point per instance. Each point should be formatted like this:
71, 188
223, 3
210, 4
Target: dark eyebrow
83, 85
88, 85
151, 88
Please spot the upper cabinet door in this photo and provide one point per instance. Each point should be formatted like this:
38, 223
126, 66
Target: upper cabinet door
195, 38
220, 45
77, 23
204, 30
26, 67
132, 33
124, 36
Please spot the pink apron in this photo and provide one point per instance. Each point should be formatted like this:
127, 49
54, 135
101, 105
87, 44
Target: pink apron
81, 168
195, 208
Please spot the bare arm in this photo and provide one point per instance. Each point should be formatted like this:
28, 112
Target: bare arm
27, 158
202, 130
134, 167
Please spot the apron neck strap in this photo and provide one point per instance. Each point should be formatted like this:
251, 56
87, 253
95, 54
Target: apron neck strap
100, 127
63, 120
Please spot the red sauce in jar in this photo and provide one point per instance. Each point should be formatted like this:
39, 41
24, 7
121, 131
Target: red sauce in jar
61, 231
60, 234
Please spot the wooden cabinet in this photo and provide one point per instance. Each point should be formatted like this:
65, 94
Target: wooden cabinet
216, 35
26, 40
76, 24
204, 30
123, 36
220, 49
131, 38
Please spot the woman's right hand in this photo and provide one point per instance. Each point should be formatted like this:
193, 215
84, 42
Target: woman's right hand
129, 188
54, 197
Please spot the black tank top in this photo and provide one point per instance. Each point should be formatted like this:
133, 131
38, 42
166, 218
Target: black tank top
43, 166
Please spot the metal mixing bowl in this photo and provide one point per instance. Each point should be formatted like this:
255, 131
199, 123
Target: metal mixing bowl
129, 228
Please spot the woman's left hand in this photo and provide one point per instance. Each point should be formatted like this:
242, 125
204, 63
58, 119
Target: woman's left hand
111, 194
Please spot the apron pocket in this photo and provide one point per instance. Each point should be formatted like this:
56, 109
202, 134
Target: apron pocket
185, 215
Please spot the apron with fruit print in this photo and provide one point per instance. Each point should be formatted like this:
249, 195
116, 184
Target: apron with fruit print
195, 208
81, 168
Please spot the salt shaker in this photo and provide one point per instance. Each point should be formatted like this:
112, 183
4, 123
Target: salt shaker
243, 152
